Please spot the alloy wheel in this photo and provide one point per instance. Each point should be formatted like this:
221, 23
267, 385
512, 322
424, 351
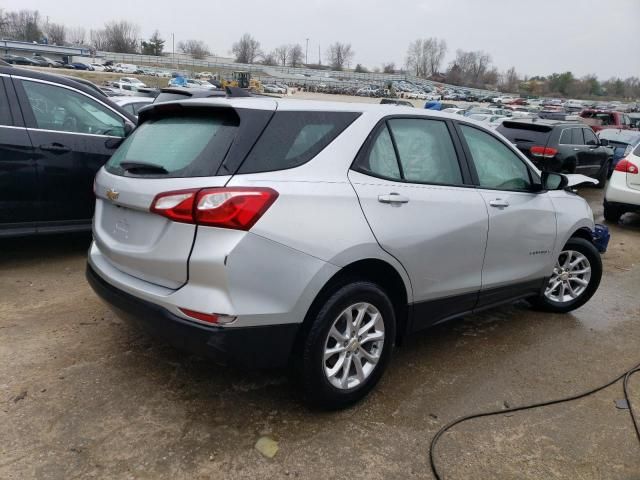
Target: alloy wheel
570, 278
353, 346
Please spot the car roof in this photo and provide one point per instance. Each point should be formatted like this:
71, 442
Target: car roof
63, 80
132, 99
291, 105
547, 122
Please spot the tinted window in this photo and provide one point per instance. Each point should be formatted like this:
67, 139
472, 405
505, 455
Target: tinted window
589, 137
426, 151
576, 136
192, 146
5, 114
58, 108
381, 160
497, 166
526, 133
293, 138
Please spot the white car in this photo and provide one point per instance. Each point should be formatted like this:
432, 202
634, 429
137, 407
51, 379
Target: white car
131, 81
98, 67
346, 228
125, 68
504, 100
623, 192
272, 88
133, 103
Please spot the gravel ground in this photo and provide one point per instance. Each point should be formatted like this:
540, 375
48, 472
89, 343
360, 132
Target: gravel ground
83, 395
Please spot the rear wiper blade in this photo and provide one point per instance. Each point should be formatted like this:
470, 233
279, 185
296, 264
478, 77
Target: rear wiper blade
142, 166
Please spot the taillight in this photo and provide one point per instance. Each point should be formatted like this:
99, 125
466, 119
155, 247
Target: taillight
543, 152
626, 166
176, 206
237, 207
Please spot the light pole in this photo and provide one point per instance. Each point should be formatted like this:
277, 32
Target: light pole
306, 53
173, 49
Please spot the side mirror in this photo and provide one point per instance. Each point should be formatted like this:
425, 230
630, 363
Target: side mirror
604, 142
554, 181
128, 128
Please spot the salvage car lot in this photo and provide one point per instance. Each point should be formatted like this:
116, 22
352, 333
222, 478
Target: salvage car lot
86, 396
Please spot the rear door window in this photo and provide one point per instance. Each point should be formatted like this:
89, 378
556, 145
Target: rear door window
525, 133
589, 137
426, 151
180, 146
293, 138
5, 114
577, 138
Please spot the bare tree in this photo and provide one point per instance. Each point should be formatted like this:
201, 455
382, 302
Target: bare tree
22, 25
120, 37
388, 67
98, 40
339, 54
282, 54
435, 50
56, 33
424, 57
510, 81
472, 69
247, 49
296, 55
77, 35
195, 48
270, 58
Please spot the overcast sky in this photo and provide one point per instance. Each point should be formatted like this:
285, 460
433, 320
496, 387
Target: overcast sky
535, 36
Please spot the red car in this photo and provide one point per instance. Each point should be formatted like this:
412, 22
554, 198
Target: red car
601, 119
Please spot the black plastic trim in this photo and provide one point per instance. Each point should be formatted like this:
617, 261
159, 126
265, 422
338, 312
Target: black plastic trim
251, 347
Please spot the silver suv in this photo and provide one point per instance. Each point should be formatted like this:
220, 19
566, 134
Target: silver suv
265, 231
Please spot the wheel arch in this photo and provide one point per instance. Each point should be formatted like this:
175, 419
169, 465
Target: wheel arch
376, 270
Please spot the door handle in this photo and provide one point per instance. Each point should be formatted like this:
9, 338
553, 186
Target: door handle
577, 149
499, 203
55, 148
393, 198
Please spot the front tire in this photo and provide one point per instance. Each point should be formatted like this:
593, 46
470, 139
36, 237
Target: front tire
575, 278
348, 346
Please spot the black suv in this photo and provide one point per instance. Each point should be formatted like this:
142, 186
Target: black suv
560, 146
55, 133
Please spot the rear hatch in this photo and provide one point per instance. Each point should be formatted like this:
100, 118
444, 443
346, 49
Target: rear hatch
526, 135
177, 146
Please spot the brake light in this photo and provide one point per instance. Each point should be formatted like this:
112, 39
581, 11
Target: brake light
238, 207
543, 152
203, 317
176, 206
626, 166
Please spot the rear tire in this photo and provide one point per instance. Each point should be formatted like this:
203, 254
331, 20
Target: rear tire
576, 277
325, 382
612, 214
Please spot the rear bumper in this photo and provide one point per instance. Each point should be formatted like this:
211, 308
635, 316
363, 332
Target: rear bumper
251, 347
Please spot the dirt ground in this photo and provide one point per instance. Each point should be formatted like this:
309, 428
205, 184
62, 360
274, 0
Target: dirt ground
83, 395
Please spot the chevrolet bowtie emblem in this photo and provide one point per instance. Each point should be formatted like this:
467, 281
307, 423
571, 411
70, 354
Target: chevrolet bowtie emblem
112, 194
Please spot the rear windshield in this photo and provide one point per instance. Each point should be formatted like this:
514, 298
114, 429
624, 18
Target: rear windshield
185, 146
525, 132
293, 138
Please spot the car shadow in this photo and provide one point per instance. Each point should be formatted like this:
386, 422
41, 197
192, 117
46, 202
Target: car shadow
43, 247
